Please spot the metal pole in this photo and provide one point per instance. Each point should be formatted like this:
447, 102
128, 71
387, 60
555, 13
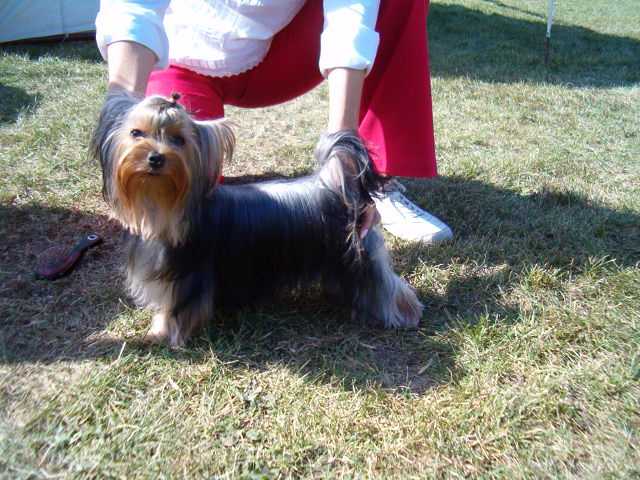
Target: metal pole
547, 38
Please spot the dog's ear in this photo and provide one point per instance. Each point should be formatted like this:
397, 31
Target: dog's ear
104, 144
115, 108
217, 143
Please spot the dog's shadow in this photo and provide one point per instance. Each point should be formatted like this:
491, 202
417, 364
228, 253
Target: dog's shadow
499, 233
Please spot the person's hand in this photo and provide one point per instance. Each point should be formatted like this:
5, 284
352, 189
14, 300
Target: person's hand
369, 219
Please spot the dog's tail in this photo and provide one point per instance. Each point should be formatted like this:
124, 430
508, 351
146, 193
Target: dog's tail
346, 169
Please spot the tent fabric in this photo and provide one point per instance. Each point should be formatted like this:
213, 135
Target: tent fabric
26, 19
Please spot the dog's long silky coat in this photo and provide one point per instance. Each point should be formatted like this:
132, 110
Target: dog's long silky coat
195, 245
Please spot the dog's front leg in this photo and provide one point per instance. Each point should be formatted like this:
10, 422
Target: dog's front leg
165, 328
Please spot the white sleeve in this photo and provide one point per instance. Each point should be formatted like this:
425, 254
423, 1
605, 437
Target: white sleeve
349, 38
137, 21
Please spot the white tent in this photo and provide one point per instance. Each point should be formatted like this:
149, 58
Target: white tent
23, 19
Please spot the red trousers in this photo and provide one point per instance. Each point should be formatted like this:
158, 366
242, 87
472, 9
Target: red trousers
395, 112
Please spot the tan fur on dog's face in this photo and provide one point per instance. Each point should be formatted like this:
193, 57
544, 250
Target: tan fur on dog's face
151, 195
164, 159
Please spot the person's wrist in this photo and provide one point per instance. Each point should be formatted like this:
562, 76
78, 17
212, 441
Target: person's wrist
342, 123
345, 91
115, 88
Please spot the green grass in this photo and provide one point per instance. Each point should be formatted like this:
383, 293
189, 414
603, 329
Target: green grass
526, 363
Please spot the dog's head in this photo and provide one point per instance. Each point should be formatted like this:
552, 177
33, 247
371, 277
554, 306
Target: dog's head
158, 163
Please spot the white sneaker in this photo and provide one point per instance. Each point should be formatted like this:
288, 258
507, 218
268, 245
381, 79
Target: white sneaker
404, 219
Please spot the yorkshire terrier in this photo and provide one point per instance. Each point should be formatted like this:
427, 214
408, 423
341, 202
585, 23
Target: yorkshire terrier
195, 244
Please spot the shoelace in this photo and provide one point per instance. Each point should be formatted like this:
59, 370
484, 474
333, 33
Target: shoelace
393, 185
398, 197
394, 190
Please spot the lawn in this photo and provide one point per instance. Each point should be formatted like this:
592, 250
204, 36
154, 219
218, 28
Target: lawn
526, 363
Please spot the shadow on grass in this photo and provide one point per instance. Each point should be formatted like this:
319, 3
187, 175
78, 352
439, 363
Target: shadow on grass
561, 229
14, 101
50, 321
496, 48
494, 227
559, 232
47, 321
516, 9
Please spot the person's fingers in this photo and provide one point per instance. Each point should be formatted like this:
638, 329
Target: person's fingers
370, 217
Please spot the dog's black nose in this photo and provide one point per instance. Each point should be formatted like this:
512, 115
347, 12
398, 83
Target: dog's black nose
155, 159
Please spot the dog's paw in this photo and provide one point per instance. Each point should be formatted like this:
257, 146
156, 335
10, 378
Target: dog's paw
164, 330
409, 309
396, 307
154, 336
404, 309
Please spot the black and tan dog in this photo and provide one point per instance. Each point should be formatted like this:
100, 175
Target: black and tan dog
195, 244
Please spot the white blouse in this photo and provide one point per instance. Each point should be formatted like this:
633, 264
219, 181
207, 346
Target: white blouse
226, 37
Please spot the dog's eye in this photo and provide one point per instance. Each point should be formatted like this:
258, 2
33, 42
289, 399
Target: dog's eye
136, 133
177, 141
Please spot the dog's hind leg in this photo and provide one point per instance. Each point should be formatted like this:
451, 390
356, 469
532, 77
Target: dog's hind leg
381, 297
